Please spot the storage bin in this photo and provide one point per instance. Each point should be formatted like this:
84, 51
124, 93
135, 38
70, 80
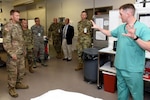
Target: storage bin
109, 82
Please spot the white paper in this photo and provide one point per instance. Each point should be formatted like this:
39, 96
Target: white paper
100, 36
99, 22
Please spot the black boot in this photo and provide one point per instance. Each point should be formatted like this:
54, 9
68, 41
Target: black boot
34, 64
43, 63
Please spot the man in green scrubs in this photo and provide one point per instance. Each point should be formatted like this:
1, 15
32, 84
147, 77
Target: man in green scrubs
133, 40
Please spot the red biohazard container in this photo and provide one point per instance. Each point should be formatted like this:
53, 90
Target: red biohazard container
147, 69
109, 82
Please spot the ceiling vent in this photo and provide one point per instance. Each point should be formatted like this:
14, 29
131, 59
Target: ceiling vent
22, 2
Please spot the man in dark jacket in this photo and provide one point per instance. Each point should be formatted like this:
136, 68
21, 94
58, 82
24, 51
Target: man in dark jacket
67, 35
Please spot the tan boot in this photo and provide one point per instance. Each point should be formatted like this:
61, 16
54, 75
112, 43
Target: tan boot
12, 92
31, 69
79, 67
20, 85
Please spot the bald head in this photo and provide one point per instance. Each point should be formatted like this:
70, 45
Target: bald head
67, 21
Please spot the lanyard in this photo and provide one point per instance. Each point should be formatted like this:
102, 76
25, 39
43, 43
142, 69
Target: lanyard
126, 25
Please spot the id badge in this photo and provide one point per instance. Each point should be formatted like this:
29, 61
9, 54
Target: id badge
85, 30
39, 34
58, 30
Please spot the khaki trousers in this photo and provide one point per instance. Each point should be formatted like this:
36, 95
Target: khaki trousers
67, 49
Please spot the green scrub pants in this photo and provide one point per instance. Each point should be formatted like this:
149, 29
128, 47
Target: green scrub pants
129, 83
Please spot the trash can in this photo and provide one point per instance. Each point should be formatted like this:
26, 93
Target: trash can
90, 60
109, 82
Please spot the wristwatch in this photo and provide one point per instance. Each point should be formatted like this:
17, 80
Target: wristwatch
136, 38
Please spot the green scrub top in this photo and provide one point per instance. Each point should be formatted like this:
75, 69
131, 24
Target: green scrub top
129, 55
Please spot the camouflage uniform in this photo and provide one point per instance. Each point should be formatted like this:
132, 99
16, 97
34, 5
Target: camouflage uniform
28, 39
84, 39
55, 32
38, 33
13, 43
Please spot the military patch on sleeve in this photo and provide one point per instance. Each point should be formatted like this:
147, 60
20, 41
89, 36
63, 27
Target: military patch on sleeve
6, 29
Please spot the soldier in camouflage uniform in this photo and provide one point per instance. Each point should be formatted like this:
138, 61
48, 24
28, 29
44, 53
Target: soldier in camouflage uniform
84, 37
55, 32
38, 33
28, 39
13, 43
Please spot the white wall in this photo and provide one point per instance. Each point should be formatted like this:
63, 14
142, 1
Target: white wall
73, 8
60, 8
34, 10
6, 7
31, 14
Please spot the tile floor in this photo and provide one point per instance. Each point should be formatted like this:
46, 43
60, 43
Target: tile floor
58, 75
